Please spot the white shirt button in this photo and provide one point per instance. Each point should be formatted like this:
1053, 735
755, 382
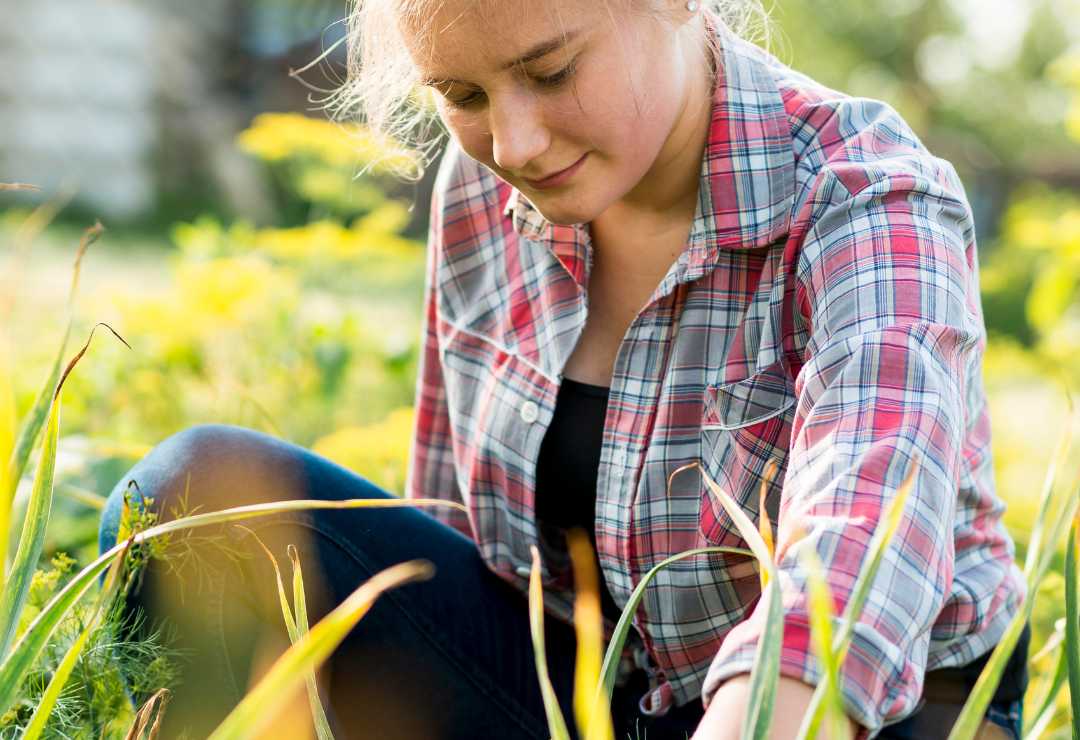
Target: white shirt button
530, 412
524, 571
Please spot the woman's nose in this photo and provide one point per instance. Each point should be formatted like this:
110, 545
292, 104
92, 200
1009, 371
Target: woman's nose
518, 133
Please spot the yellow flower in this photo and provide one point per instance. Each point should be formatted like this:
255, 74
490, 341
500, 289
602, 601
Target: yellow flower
379, 451
232, 289
275, 137
369, 236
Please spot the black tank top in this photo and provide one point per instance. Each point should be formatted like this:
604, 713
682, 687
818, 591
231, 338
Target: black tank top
568, 465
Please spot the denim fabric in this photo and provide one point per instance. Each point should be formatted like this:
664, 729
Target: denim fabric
1010, 717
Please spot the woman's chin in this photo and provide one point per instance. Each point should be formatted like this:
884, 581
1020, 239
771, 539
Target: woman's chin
566, 210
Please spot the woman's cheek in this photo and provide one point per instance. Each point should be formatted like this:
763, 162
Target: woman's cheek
469, 133
463, 126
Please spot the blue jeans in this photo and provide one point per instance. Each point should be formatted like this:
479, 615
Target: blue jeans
450, 658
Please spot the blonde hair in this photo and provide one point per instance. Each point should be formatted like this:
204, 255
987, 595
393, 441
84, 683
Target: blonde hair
381, 87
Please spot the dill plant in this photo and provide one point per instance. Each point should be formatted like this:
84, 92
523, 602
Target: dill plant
123, 663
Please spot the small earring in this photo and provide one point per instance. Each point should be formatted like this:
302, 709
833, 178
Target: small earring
692, 5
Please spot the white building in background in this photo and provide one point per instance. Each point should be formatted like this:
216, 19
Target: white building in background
122, 100
77, 89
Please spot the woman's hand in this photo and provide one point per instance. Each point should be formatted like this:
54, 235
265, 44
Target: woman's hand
724, 717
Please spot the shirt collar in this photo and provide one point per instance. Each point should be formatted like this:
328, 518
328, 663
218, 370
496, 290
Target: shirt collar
748, 169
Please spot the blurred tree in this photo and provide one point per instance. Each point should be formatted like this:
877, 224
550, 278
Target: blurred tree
971, 77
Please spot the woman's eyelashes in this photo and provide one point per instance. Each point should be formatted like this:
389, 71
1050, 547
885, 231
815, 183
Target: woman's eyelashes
466, 102
559, 77
548, 82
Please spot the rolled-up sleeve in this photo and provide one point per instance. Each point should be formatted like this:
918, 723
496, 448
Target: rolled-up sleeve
431, 472
885, 286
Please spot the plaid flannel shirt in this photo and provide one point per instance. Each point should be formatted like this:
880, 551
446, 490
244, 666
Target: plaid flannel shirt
824, 314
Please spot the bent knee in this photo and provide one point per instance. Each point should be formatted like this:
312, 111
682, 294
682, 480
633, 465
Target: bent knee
208, 467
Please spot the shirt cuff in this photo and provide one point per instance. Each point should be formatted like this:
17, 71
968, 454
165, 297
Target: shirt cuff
870, 689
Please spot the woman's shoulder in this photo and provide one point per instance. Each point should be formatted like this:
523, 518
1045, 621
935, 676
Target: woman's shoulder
857, 141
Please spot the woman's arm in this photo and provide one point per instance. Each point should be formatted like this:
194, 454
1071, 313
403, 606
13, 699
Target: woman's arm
884, 280
724, 717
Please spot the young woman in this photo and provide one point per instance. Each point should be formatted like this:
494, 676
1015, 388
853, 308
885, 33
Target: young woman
652, 244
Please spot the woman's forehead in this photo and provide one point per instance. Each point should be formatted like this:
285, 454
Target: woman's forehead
489, 33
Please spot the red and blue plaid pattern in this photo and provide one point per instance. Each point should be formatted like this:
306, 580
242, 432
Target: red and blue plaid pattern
824, 315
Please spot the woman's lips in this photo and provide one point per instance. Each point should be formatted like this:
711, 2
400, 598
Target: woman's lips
559, 177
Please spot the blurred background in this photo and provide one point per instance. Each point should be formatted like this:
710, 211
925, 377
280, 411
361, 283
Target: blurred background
261, 282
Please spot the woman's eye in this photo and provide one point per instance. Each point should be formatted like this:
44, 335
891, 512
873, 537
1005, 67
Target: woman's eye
467, 101
558, 78
473, 98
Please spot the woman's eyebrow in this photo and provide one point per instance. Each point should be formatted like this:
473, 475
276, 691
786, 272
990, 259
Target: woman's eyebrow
536, 52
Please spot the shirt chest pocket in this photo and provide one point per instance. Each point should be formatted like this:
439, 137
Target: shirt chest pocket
745, 426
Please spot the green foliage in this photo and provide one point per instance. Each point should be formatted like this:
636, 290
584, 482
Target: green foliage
306, 332
1034, 278
989, 97
79, 673
95, 701
315, 164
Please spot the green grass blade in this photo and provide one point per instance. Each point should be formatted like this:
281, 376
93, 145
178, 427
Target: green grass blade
299, 595
1038, 722
318, 715
28, 648
609, 671
81, 495
32, 538
283, 600
36, 520
32, 426
1057, 461
67, 665
1072, 626
35, 419
8, 422
971, 716
821, 617
260, 705
765, 675
26, 651
555, 720
883, 536
967, 724
56, 685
